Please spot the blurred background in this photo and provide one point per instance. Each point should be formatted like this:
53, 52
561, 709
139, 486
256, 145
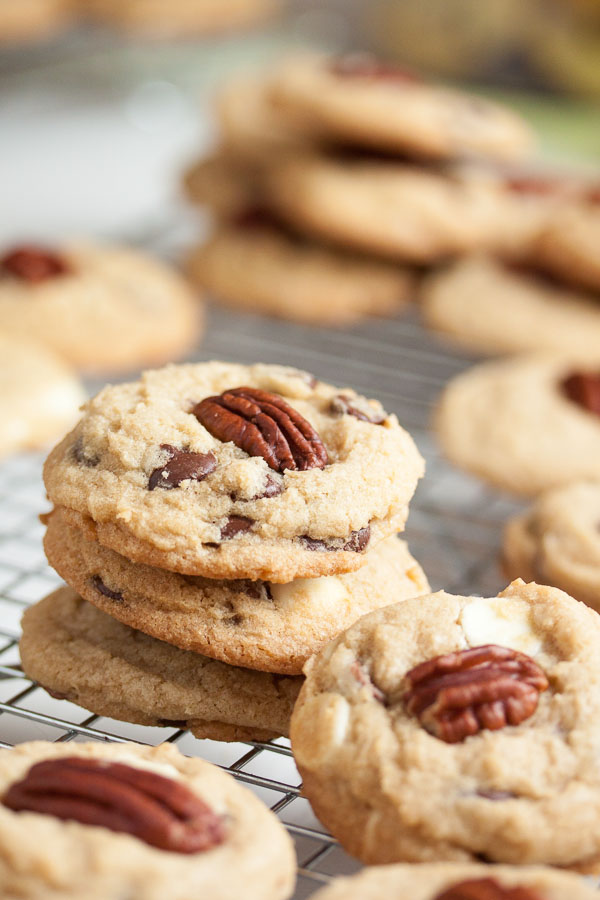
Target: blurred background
98, 114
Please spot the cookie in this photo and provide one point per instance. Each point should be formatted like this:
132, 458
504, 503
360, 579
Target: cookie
32, 20
488, 307
360, 100
390, 207
109, 821
524, 424
254, 264
39, 395
224, 182
568, 246
103, 309
557, 541
171, 471
269, 627
81, 654
180, 18
459, 881
458, 728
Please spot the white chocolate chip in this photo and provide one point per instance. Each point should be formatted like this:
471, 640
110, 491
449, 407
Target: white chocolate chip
328, 589
496, 620
164, 769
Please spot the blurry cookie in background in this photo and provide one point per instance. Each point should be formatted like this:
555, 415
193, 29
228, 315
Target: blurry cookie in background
557, 541
493, 308
103, 309
22, 21
568, 246
363, 101
225, 182
40, 396
256, 264
179, 18
524, 424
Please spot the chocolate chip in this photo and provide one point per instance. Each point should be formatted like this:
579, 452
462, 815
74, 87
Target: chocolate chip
583, 388
58, 695
273, 487
172, 723
254, 217
33, 264
80, 455
235, 525
182, 465
106, 591
258, 590
235, 620
356, 542
341, 406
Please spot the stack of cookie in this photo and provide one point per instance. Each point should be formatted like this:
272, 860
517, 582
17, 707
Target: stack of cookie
217, 524
336, 178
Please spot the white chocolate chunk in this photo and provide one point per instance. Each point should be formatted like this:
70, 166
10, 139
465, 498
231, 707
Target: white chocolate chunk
329, 589
495, 620
164, 769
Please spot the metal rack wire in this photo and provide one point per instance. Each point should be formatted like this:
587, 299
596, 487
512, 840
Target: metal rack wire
454, 531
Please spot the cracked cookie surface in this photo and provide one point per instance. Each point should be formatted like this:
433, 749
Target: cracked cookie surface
392, 791
243, 519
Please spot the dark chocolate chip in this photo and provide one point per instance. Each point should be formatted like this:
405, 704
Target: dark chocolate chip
106, 591
273, 487
583, 388
341, 406
172, 723
182, 465
80, 455
58, 695
356, 542
258, 590
235, 525
235, 620
33, 264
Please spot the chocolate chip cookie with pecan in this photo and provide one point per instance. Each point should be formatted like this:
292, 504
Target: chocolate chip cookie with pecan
257, 624
233, 471
459, 881
525, 424
108, 821
460, 729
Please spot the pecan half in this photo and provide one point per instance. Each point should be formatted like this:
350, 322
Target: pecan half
160, 811
33, 264
583, 388
459, 694
182, 465
364, 65
263, 424
487, 889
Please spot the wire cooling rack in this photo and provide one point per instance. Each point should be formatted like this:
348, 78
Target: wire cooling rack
454, 531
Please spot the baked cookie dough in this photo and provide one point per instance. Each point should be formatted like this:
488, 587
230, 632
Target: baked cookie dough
179, 18
226, 183
256, 265
482, 752
568, 246
81, 654
513, 423
557, 541
488, 307
431, 881
103, 309
243, 847
40, 396
360, 100
389, 207
32, 20
151, 482
269, 627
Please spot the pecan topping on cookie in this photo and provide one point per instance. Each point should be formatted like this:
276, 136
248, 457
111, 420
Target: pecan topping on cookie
182, 465
459, 694
33, 264
342, 406
539, 185
364, 65
160, 811
487, 889
583, 388
263, 424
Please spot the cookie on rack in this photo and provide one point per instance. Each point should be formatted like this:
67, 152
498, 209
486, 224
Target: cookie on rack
389, 207
40, 395
78, 653
180, 18
33, 20
225, 182
256, 264
458, 728
459, 881
568, 246
103, 309
233, 471
557, 541
524, 424
112, 820
264, 626
486, 306
360, 100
